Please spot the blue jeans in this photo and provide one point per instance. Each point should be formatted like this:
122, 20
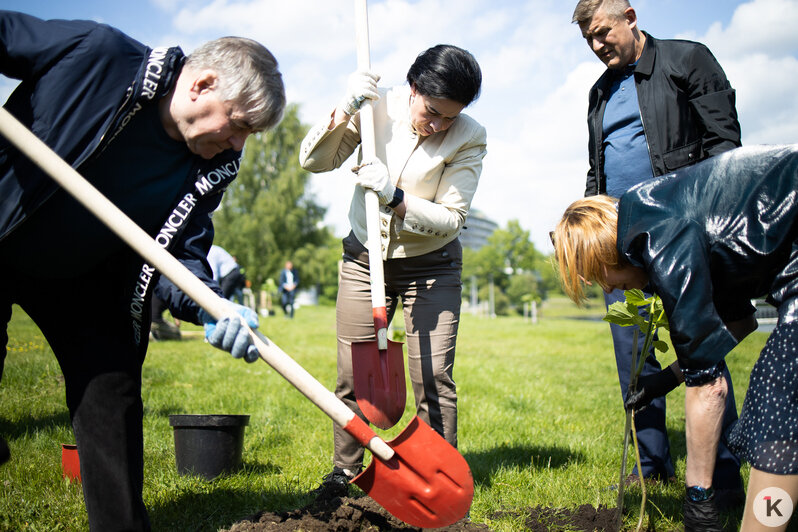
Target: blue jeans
652, 436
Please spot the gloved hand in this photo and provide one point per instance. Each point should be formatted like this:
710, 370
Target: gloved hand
360, 86
649, 387
374, 175
229, 332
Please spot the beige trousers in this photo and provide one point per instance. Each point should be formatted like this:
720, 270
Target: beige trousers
429, 287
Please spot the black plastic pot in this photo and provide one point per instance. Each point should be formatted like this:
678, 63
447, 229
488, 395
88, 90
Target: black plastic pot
208, 445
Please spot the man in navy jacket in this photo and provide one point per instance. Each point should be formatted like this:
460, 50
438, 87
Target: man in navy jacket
160, 135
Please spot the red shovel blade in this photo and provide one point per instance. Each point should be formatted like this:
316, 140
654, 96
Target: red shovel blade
427, 483
379, 377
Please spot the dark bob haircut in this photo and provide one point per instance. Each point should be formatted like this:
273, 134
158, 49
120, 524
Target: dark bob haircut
446, 71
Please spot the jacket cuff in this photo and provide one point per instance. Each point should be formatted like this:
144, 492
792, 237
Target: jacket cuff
699, 377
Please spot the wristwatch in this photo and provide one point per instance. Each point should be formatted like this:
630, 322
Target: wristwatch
398, 197
699, 494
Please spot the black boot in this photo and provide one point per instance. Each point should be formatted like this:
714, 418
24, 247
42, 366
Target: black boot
334, 484
701, 515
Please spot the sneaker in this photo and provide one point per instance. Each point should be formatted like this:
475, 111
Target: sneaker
701, 516
334, 484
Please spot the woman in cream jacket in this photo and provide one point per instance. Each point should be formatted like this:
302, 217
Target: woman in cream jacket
429, 159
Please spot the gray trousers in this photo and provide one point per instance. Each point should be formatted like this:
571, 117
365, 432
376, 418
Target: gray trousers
430, 291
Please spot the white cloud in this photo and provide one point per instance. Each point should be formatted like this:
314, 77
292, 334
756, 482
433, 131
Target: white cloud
758, 52
536, 69
761, 26
535, 170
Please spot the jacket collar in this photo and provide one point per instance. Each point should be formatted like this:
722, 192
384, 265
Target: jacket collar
158, 74
645, 65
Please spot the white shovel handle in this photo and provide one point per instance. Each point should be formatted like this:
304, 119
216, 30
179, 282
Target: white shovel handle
169, 266
368, 148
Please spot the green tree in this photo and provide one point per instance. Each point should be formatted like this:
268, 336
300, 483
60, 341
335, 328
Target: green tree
318, 266
266, 215
516, 267
523, 288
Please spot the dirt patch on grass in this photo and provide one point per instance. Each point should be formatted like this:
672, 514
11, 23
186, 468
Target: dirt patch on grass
363, 514
585, 517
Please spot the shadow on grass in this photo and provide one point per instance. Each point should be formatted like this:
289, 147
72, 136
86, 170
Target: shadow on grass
484, 463
30, 424
260, 468
211, 509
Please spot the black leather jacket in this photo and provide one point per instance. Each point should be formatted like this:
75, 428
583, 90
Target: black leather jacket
686, 105
712, 237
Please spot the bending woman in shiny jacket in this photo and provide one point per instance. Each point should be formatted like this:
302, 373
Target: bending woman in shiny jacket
708, 239
429, 159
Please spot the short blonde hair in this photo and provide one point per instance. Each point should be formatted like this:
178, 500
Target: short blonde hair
585, 240
586, 9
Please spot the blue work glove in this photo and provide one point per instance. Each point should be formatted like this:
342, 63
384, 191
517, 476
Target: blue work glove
229, 332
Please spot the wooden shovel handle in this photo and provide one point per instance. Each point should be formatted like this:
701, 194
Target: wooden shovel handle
368, 148
141, 242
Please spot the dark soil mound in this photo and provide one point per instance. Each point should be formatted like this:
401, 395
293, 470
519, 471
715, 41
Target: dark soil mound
363, 514
341, 515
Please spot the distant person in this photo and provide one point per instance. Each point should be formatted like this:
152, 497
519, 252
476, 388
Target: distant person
660, 105
160, 329
227, 273
289, 281
147, 127
427, 170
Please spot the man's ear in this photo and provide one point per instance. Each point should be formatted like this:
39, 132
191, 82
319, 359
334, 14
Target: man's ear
631, 17
204, 81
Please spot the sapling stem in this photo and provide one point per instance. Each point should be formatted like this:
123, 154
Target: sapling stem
624, 315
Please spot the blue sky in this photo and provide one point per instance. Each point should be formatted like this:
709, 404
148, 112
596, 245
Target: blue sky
537, 71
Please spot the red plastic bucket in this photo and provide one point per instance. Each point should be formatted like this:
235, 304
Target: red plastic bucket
70, 463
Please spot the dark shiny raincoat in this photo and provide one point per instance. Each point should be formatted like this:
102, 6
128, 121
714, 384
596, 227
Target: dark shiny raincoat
712, 237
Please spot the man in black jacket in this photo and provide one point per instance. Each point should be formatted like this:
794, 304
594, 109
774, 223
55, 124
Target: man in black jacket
659, 106
160, 135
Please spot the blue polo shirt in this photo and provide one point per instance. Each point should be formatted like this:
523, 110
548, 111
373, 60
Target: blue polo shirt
626, 158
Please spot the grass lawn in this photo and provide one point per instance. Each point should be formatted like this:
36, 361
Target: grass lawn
540, 422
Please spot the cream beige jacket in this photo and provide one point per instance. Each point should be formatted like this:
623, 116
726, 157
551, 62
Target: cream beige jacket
440, 174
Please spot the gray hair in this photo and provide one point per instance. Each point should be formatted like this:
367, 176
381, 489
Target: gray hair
586, 9
248, 77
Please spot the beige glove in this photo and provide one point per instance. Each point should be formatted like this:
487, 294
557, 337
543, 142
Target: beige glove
374, 175
362, 85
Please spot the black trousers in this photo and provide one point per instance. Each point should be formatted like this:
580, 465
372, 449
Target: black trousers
86, 320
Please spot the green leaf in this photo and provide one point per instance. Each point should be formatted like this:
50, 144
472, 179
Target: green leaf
622, 314
661, 346
637, 297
